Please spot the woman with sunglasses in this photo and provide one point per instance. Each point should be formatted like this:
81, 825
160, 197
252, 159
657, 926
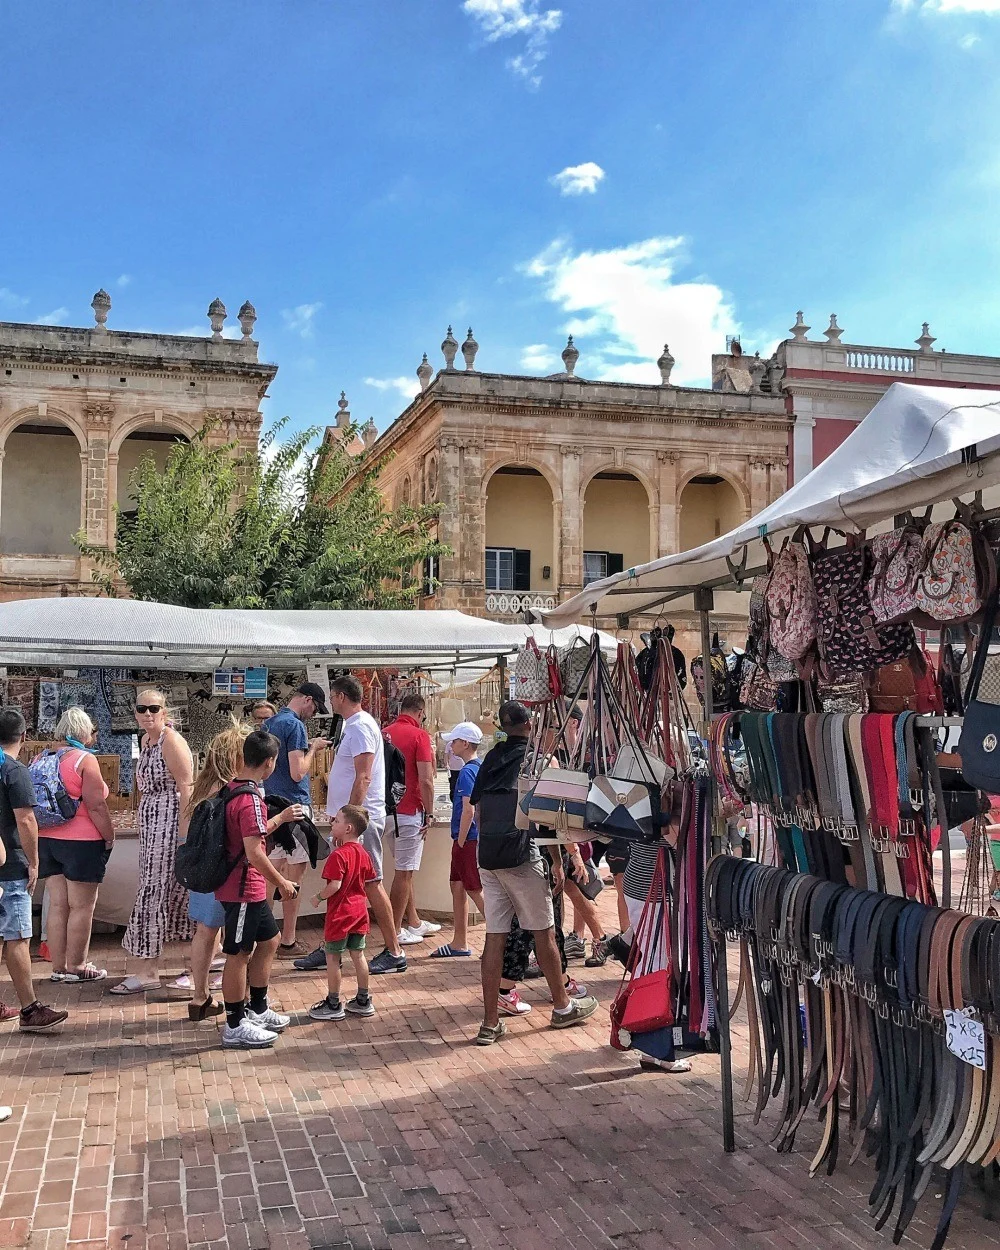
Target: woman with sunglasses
164, 777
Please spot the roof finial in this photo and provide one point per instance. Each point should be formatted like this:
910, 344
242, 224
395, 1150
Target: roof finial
926, 339
800, 329
665, 364
450, 349
247, 315
101, 304
469, 349
343, 412
217, 317
424, 373
833, 331
570, 355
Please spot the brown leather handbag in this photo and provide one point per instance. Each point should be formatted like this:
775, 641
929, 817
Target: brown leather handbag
909, 685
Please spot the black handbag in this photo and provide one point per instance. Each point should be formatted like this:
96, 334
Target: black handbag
979, 745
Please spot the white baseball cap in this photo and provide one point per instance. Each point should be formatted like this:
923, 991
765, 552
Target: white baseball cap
465, 732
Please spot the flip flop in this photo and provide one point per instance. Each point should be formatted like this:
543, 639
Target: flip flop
132, 985
450, 952
89, 972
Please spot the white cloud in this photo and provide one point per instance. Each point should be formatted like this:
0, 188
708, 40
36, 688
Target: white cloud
967, 42
520, 19
627, 304
989, 7
54, 318
407, 387
300, 318
123, 280
578, 179
201, 332
11, 299
539, 358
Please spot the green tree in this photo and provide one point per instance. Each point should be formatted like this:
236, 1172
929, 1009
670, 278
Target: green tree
287, 525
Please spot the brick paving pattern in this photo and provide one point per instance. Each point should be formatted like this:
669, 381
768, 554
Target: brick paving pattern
134, 1130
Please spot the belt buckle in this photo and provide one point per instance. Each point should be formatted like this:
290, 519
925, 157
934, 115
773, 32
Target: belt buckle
880, 845
902, 851
881, 1009
867, 992
849, 831
917, 797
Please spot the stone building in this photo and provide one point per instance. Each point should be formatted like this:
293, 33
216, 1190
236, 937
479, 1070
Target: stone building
80, 407
546, 483
828, 386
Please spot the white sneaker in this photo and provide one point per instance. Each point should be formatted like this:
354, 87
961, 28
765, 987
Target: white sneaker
405, 938
270, 1020
424, 928
6, 1113
247, 1036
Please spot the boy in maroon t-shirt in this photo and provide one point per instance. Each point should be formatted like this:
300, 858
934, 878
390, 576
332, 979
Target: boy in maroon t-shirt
250, 934
347, 871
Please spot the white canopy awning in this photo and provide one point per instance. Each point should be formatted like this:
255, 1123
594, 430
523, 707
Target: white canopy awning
127, 633
914, 448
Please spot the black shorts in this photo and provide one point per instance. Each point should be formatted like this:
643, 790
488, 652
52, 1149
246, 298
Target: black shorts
76, 861
246, 925
617, 854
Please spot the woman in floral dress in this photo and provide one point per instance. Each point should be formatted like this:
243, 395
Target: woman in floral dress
160, 913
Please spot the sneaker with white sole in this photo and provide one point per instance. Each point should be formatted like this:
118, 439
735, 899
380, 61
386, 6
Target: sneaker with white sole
511, 1004
424, 928
405, 938
355, 1007
574, 989
326, 1010
579, 1010
247, 1036
271, 1020
575, 947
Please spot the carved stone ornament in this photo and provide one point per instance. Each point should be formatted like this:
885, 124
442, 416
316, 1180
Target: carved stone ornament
217, 317
926, 339
432, 478
98, 413
800, 329
570, 355
469, 349
667, 457
570, 449
449, 349
247, 315
833, 331
424, 373
665, 364
101, 304
343, 412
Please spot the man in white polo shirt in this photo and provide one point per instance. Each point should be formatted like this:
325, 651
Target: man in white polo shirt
358, 777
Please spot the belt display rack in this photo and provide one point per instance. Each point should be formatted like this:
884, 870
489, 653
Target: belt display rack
882, 1002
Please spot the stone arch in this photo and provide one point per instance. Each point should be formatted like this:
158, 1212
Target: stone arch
41, 505
709, 504
169, 424
406, 491
739, 484
521, 525
53, 417
143, 438
616, 504
640, 475
544, 470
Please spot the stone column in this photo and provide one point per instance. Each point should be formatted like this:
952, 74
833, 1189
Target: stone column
95, 510
449, 528
112, 493
668, 537
568, 573
777, 482
802, 445
472, 524
758, 471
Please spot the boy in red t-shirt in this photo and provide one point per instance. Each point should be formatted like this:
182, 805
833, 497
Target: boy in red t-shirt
250, 934
347, 871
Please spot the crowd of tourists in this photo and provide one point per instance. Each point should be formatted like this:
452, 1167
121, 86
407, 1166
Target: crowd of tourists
56, 826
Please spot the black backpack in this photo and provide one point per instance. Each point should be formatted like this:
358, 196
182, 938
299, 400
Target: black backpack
201, 863
395, 775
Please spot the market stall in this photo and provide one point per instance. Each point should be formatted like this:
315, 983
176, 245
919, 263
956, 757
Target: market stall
214, 664
862, 994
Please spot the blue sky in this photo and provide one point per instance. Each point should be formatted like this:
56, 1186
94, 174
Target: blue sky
368, 173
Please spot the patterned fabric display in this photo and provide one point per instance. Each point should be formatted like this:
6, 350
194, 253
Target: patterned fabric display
791, 603
897, 561
948, 587
849, 639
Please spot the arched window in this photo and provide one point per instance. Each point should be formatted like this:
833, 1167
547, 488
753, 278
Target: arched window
615, 525
41, 506
519, 553
710, 507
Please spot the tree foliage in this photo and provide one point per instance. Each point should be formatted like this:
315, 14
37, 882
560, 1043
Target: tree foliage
286, 525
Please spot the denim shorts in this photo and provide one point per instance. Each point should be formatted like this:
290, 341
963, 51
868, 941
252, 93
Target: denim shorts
15, 911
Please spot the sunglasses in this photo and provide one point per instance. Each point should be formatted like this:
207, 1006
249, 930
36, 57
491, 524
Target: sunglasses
151, 708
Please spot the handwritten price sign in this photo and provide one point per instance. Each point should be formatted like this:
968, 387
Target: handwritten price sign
965, 1038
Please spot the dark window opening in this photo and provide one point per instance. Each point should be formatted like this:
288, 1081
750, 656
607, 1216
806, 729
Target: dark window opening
508, 568
600, 564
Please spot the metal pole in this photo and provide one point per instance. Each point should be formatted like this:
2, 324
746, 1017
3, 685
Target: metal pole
725, 1046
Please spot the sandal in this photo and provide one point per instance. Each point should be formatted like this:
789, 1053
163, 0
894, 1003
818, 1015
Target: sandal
199, 1011
450, 952
647, 1064
132, 985
89, 972
57, 976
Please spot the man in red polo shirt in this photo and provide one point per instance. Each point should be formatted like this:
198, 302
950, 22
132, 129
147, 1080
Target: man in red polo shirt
414, 815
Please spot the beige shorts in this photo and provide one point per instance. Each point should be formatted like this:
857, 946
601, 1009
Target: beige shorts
523, 892
299, 856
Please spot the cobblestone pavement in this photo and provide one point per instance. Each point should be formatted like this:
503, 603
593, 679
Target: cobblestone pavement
133, 1129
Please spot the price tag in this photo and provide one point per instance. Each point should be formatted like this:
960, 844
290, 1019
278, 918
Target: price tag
965, 1038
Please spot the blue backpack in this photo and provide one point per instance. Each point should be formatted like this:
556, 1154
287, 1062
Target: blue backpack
54, 805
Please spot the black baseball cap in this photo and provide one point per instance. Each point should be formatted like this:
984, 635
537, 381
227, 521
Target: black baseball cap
316, 693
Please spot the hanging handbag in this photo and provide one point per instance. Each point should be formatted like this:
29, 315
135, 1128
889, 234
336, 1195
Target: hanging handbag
622, 809
849, 640
791, 603
950, 678
531, 675
909, 685
979, 745
758, 692
573, 661
897, 560
950, 587
644, 1001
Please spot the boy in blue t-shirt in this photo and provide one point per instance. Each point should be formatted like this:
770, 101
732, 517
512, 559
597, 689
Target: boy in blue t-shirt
463, 741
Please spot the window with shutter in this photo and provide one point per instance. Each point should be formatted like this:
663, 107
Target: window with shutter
522, 570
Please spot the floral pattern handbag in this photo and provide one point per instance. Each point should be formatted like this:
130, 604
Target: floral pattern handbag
791, 603
949, 588
897, 560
